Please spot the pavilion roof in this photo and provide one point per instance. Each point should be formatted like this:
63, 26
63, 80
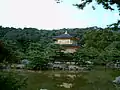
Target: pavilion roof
65, 35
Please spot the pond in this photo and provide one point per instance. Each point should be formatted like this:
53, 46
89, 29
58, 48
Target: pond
98, 79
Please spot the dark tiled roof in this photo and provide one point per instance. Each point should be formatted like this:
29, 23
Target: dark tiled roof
64, 36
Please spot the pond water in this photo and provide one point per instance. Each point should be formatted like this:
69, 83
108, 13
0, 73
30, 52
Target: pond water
99, 79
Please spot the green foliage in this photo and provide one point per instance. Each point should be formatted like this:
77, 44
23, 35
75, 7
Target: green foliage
107, 4
36, 53
9, 51
97, 45
86, 54
100, 46
40, 54
12, 81
98, 39
33, 44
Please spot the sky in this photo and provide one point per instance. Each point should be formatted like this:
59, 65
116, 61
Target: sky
47, 14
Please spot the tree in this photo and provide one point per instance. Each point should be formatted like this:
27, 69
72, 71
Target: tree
40, 54
36, 55
100, 47
9, 80
98, 39
107, 4
53, 51
86, 54
9, 51
12, 81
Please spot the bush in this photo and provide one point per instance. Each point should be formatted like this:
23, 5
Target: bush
12, 81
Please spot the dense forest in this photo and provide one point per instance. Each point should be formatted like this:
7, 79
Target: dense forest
96, 44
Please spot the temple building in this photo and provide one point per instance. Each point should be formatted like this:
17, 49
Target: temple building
68, 42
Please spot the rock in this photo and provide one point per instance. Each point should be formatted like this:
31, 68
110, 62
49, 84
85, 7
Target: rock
25, 62
20, 66
57, 75
43, 89
71, 76
66, 85
117, 80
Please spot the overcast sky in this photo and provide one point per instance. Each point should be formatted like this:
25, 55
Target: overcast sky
47, 14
